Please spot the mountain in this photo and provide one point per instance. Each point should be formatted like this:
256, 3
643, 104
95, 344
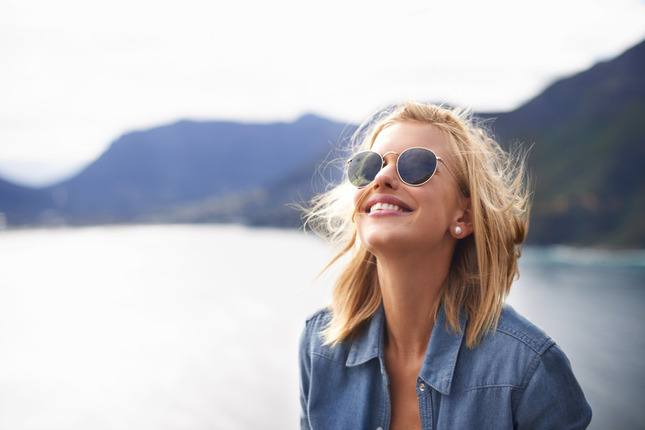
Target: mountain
588, 136
20, 203
150, 174
586, 133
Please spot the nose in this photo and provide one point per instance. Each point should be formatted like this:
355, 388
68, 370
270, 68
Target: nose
388, 176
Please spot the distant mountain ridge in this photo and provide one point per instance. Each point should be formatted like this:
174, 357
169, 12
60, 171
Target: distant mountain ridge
144, 174
588, 132
587, 161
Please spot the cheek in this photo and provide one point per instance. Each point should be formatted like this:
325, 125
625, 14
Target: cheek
357, 196
434, 213
359, 199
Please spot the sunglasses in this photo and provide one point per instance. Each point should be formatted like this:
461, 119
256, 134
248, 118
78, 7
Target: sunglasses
415, 166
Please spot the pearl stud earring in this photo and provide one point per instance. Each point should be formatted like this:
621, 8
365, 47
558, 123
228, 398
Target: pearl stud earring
458, 230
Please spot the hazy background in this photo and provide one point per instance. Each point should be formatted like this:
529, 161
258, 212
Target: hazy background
196, 327
78, 74
154, 276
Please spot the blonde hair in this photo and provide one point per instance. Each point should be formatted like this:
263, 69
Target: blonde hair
484, 264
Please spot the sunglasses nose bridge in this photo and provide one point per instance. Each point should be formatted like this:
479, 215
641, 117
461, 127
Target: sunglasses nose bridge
385, 168
394, 159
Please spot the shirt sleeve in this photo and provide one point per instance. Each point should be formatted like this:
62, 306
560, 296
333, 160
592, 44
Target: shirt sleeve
552, 398
304, 360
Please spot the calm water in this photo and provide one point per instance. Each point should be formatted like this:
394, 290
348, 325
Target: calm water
196, 327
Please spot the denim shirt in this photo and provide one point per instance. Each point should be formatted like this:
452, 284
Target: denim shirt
516, 378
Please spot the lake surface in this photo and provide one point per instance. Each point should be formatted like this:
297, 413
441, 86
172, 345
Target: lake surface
196, 326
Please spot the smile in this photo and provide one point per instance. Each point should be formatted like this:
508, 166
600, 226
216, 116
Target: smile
386, 209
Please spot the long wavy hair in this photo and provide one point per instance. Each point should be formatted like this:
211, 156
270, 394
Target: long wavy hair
484, 264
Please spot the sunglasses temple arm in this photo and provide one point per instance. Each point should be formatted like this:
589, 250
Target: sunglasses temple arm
453, 175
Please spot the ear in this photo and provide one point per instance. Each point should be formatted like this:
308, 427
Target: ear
463, 220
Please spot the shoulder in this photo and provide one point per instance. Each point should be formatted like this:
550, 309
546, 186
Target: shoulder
312, 343
547, 394
505, 356
515, 329
514, 333
520, 357
311, 338
315, 323
321, 315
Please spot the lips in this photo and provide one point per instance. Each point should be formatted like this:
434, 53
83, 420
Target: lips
385, 198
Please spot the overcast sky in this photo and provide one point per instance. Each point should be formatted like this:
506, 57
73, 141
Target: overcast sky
77, 74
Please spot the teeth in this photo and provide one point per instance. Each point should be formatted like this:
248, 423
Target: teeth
384, 206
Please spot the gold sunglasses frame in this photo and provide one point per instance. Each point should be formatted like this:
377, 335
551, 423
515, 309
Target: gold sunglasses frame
398, 155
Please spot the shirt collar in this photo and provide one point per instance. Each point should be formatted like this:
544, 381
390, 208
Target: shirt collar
441, 356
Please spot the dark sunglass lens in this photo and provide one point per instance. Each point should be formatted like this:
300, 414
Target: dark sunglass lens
363, 167
417, 165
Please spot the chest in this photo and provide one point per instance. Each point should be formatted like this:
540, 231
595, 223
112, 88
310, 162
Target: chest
403, 395
374, 396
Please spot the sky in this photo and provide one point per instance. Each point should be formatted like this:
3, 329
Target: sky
77, 74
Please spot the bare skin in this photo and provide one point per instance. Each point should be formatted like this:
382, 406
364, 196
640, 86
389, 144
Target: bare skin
402, 374
413, 252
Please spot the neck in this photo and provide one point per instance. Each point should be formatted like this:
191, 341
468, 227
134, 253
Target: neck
411, 287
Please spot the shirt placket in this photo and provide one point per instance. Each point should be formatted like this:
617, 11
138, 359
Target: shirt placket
424, 396
386, 398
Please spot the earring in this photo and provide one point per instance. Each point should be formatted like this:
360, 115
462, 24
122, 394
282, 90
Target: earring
458, 230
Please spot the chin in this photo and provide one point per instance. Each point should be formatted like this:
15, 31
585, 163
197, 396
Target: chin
383, 240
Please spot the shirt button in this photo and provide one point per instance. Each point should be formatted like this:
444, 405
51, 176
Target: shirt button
422, 387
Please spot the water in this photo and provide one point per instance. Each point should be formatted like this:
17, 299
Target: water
174, 327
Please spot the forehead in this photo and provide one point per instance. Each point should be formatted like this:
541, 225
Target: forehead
402, 135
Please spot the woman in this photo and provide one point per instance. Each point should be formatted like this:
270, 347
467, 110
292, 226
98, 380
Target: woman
432, 216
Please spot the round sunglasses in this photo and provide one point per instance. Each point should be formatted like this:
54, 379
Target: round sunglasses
415, 166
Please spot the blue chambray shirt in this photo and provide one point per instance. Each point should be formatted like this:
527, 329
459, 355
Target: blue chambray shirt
516, 378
